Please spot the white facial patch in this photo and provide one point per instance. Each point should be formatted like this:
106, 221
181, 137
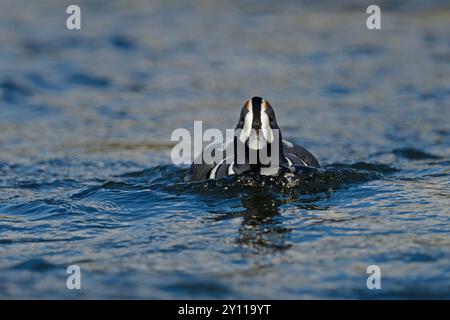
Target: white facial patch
265, 126
248, 120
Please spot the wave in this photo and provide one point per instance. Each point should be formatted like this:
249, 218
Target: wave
170, 178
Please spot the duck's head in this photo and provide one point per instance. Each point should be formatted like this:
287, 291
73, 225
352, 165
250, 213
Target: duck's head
257, 124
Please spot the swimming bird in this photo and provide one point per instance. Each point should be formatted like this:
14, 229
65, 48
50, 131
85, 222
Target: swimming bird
257, 148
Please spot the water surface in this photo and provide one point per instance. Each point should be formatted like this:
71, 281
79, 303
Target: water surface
85, 170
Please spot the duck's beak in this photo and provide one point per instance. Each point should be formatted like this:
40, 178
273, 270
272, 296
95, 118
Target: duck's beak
259, 138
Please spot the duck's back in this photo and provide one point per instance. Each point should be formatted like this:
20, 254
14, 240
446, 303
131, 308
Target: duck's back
299, 155
200, 170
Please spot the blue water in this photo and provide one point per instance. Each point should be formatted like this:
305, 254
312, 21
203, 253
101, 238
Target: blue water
85, 170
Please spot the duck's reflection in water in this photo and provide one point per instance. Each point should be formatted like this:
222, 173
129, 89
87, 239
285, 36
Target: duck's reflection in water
263, 227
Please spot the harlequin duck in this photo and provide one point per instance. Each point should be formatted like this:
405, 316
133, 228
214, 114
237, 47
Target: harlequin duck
256, 131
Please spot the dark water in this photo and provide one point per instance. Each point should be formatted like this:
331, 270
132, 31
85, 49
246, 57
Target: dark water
85, 170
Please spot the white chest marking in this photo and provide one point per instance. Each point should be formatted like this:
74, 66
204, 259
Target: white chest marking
212, 175
230, 169
269, 171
